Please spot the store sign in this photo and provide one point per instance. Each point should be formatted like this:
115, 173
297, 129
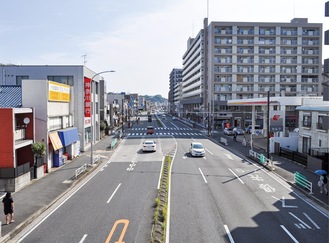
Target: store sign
276, 121
58, 92
87, 90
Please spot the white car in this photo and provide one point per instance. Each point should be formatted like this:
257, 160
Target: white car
197, 149
149, 145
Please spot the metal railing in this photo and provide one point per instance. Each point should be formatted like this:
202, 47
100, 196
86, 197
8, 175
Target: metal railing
80, 170
301, 181
261, 158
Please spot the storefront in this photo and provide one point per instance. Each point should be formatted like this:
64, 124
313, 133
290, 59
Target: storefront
70, 141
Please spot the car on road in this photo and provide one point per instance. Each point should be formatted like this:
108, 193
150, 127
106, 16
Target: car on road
149, 146
197, 149
228, 131
258, 128
238, 131
163, 117
149, 130
173, 118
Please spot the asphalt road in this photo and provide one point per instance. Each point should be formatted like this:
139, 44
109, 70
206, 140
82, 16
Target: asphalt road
225, 198
114, 203
219, 198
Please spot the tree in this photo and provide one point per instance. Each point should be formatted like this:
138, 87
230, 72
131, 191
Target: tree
39, 149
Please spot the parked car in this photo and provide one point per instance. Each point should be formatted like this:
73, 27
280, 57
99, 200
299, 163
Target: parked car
197, 149
228, 131
238, 131
257, 128
149, 130
149, 145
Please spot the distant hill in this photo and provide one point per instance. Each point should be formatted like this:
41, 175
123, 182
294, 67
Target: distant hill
155, 98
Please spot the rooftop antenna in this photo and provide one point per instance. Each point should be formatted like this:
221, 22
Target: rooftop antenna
84, 59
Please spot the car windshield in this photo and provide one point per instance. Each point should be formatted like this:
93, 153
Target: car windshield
148, 142
197, 146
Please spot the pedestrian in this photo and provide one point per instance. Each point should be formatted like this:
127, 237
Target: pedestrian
323, 184
234, 136
8, 208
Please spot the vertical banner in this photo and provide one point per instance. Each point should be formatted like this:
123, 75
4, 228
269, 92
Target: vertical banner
87, 89
276, 121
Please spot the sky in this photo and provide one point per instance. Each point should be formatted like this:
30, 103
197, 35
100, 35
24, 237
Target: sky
142, 41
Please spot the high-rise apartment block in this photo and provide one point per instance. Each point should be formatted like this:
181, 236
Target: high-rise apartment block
175, 78
241, 60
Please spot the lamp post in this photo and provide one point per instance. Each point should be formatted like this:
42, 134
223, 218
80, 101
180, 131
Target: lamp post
93, 108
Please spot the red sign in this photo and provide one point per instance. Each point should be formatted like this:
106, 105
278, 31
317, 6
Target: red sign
87, 89
276, 117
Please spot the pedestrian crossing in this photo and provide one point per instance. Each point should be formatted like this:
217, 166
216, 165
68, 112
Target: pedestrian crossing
162, 131
163, 128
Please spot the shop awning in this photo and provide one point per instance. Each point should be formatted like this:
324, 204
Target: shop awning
68, 136
55, 140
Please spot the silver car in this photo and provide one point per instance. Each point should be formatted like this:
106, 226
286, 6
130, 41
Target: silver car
197, 149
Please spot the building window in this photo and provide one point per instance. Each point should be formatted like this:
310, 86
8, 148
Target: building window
20, 78
307, 121
319, 124
68, 80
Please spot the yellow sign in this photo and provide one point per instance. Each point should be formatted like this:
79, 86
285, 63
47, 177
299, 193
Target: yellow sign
58, 92
123, 232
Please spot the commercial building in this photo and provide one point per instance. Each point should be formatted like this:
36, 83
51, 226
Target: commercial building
85, 93
243, 60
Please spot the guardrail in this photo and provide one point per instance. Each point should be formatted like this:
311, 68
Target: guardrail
114, 143
261, 158
224, 141
96, 158
301, 181
80, 170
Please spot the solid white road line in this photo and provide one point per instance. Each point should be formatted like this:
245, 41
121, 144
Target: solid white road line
159, 181
83, 238
169, 195
113, 193
209, 151
204, 178
236, 176
300, 220
290, 235
228, 233
312, 221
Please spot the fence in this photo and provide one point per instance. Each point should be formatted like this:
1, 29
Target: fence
261, 158
301, 181
80, 170
294, 156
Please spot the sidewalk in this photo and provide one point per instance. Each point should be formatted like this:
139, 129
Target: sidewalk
284, 168
41, 193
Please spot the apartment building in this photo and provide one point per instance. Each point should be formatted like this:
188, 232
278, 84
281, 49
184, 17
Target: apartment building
175, 77
242, 60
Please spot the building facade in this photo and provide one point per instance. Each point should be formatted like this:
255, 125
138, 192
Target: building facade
86, 93
175, 77
241, 60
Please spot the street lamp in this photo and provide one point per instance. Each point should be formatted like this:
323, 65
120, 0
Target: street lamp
92, 90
